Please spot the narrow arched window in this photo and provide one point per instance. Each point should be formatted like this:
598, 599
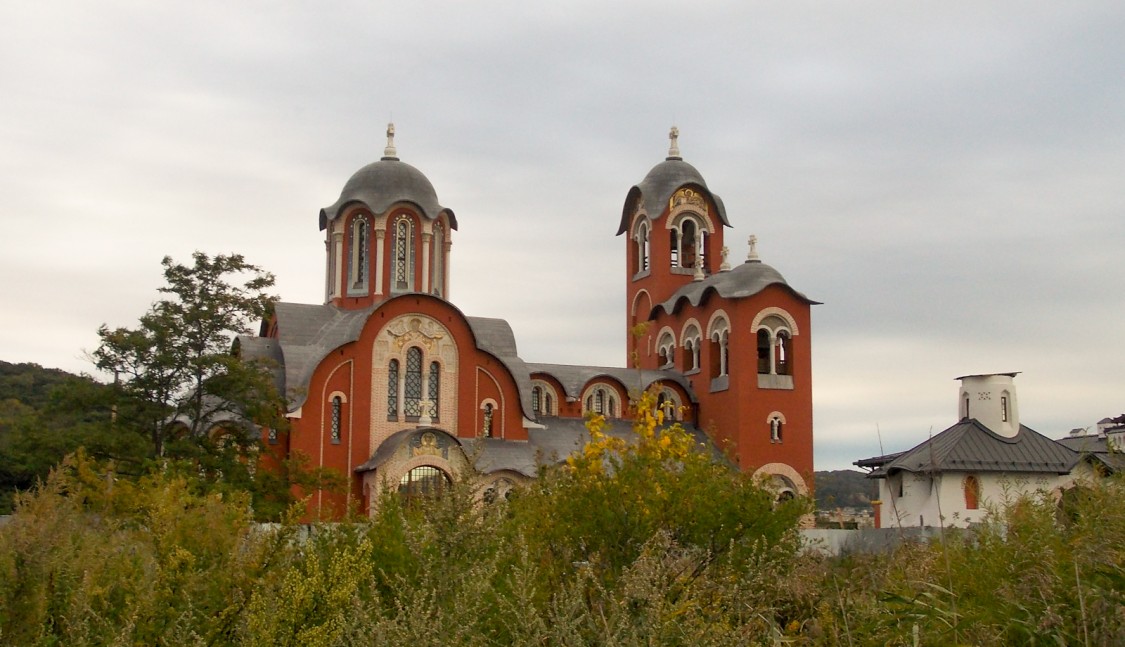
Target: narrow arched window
764, 351
972, 493
434, 389
599, 401
337, 406
360, 245
689, 253
674, 246
776, 428
488, 420
536, 400
392, 390
412, 385
642, 246
548, 406
438, 279
403, 269
784, 357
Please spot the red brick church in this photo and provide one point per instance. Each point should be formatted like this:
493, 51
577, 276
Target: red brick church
391, 384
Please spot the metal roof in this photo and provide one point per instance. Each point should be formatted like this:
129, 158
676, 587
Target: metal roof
659, 185
746, 280
575, 378
381, 184
969, 446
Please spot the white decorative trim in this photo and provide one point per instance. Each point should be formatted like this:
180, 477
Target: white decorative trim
786, 471
774, 311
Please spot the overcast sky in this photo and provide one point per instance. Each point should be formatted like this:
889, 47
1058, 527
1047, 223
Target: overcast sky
949, 180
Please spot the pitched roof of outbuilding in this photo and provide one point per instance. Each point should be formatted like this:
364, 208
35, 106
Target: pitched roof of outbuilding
969, 446
743, 281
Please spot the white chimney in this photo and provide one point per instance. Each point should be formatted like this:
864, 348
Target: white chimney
991, 399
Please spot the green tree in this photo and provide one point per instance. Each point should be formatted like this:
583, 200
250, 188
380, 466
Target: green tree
177, 365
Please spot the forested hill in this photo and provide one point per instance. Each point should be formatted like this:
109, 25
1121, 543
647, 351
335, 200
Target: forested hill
30, 384
844, 489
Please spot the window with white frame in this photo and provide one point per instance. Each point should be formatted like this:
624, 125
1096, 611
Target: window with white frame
688, 243
666, 349
692, 340
775, 346
602, 400
642, 250
720, 340
543, 398
336, 419
402, 266
359, 242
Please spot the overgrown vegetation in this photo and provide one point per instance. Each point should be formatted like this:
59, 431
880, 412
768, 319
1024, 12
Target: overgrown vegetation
650, 543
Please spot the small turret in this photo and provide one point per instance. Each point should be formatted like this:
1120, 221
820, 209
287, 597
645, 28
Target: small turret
991, 400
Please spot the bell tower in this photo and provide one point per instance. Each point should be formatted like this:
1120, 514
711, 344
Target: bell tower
674, 236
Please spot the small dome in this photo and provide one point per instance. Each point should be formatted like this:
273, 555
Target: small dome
658, 186
383, 183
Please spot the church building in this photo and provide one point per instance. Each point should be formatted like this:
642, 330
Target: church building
389, 383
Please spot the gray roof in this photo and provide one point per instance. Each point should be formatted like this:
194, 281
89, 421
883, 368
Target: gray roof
969, 446
495, 336
575, 378
658, 186
746, 280
381, 184
1095, 448
308, 333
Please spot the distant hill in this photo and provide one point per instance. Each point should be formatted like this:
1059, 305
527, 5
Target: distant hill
30, 384
844, 489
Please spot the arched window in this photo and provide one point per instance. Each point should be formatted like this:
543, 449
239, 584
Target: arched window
666, 350
775, 344
392, 390
488, 410
777, 426
434, 389
337, 406
972, 493
360, 245
439, 257
674, 247
669, 404
784, 358
402, 271
422, 482
688, 238
548, 406
692, 342
764, 348
642, 246
412, 385
601, 400
537, 400
966, 405
720, 341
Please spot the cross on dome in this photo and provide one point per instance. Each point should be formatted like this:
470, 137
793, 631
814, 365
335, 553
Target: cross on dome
389, 152
674, 147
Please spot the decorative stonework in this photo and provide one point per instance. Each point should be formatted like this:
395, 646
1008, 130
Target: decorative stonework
429, 443
426, 332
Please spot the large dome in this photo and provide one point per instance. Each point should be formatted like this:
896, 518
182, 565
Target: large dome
384, 183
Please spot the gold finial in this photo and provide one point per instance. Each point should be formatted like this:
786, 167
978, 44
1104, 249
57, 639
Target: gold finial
674, 148
389, 152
